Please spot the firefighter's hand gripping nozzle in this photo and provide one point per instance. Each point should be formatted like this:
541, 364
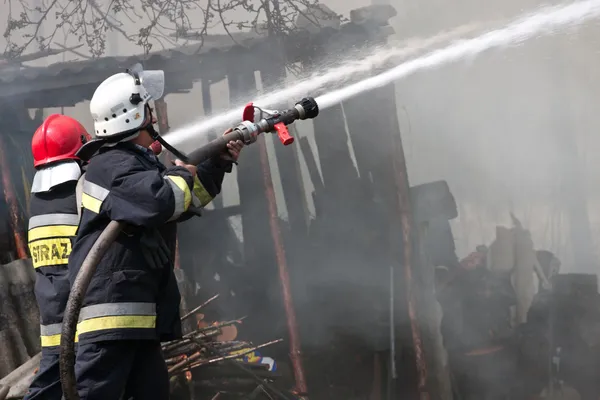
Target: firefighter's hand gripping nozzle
248, 130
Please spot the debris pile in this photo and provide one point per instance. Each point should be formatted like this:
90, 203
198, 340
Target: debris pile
210, 361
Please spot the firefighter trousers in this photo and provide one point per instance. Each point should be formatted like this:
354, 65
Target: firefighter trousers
46, 382
121, 369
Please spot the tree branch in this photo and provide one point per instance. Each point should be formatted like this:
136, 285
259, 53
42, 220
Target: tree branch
143, 22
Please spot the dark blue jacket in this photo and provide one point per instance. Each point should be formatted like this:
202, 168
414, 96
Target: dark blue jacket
52, 227
128, 297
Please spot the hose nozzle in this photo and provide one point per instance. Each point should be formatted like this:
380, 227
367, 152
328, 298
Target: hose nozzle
249, 129
307, 108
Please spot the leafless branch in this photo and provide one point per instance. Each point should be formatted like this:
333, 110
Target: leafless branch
145, 23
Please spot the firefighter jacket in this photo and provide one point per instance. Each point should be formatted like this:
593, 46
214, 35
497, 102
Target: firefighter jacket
52, 228
128, 296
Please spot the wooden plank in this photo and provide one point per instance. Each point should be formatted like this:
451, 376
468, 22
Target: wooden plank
259, 259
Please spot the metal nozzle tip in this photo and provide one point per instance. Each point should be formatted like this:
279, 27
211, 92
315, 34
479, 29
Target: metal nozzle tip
310, 106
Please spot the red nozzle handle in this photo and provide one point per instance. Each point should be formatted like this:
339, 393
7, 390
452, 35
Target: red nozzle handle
284, 135
248, 114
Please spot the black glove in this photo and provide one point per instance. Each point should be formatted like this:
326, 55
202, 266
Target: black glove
155, 250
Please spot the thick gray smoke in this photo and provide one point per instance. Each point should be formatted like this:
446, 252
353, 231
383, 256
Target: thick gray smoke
512, 130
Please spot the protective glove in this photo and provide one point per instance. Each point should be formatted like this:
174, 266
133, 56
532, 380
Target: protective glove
155, 250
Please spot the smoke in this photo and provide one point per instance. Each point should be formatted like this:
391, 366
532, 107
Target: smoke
508, 130
511, 130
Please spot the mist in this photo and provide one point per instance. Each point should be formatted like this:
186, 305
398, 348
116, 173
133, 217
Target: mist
511, 130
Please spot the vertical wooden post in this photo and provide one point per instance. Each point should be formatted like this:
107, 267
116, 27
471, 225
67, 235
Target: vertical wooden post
289, 171
409, 256
162, 117
12, 203
207, 105
257, 249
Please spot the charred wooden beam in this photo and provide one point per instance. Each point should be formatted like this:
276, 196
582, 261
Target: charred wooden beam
16, 222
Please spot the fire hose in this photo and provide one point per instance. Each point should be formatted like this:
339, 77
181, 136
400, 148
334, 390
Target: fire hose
247, 132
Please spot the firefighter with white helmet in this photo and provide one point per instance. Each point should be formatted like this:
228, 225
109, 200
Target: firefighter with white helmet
132, 302
52, 227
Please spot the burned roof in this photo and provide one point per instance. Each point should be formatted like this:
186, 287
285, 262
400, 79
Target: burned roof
65, 84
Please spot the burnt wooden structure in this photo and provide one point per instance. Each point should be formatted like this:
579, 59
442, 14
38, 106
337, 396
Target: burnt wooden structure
338, 261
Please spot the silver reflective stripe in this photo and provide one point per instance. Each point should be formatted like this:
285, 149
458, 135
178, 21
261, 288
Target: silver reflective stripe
47, 178
94, 190
200, 195
50, 330
196, 201
79, 195
53, 219
113, 309
179, 199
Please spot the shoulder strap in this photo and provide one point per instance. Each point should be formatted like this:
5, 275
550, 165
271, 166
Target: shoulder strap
79, 194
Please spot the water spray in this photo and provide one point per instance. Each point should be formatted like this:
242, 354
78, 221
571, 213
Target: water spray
358, 65
544, 21
526, 28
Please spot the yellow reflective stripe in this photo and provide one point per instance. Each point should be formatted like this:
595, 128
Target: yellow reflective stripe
50, 252
93, 195
90, 203
52, 231
182, 193
200, 193
116, 322
53, 340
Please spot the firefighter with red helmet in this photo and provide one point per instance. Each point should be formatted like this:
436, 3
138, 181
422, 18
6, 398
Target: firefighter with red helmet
52, 226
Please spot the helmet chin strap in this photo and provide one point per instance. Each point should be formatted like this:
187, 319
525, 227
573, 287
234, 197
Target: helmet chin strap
156, 136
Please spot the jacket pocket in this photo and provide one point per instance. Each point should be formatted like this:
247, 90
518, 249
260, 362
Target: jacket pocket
134, 286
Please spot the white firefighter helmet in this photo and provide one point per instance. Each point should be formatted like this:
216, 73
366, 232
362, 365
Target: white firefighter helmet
118, 105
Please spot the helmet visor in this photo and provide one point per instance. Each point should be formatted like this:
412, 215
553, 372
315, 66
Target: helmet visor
154, 82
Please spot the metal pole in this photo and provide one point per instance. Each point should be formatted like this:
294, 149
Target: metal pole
295, 351
12, 203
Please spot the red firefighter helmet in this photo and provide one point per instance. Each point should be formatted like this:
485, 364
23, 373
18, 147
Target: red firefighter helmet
57, 139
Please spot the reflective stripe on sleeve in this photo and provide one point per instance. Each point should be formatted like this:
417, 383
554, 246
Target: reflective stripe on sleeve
56, 231
183, 196
93, 195
53, 219
50, 335
52, 226
100, 317
201, 195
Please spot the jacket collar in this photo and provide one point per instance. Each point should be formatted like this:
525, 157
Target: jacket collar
47, 178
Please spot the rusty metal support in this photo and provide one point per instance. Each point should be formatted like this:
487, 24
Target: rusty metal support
409, 234
12, 203
295, 351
